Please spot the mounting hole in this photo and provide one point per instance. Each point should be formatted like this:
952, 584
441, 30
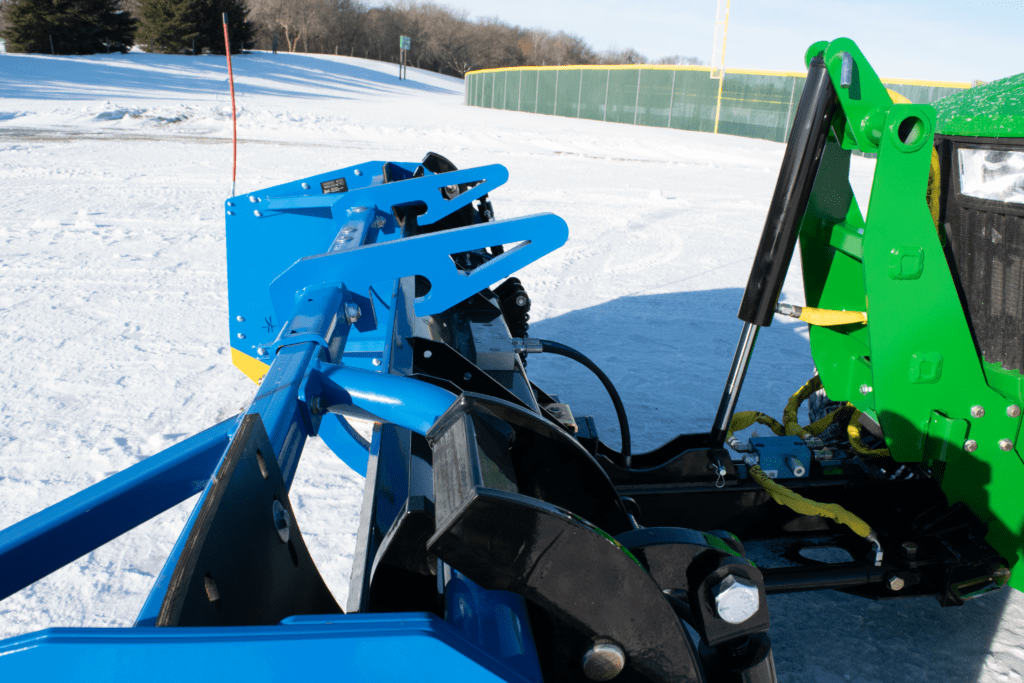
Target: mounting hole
212, 593
262, 462
910, 133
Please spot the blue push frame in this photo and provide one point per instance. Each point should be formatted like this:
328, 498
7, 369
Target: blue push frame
323, 263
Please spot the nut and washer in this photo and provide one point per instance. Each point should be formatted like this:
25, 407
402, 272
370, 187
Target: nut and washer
1013, 411
282, 521
977, 411
736, 599
1005, 445
895, 583
970, 445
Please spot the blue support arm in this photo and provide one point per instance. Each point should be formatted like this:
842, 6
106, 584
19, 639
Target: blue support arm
62, 533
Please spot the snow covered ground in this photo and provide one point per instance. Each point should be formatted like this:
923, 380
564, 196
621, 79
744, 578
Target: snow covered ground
113, 306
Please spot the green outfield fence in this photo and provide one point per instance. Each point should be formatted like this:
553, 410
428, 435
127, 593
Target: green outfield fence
754, 104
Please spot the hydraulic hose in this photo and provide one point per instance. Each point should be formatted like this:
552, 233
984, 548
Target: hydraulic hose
620, 411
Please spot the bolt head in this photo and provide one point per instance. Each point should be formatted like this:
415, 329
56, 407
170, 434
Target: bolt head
468, 376
257, 213
357, 172
736, 599
603, 662
240, 319
977, 411
1013, 411
866, 389
376, 361
895, 583
305, 186
253, 199
282, 521
1005, 445
970, 445
352, 313
909, 549
261, 352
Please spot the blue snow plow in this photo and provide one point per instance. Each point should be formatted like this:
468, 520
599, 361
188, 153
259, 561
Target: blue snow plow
500, 538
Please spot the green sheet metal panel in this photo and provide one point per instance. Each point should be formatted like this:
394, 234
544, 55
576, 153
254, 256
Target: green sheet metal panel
500, 93
694, 100
528, 90
486, 89
655, 97
622, 85
546, 92
513, 85
989, 111
568, 100
757, 106
595, 89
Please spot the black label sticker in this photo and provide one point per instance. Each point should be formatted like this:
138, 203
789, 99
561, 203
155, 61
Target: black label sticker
333, 186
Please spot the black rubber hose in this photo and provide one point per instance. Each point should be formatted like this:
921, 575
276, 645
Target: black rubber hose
620, 410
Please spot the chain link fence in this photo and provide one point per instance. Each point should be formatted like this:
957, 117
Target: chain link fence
754, 104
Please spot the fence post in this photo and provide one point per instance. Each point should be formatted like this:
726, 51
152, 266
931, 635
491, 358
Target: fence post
536, 95
504, 98
636, 106
519, 103
718, 108
579, 100
554, 110
672, 97
606, 84
493, 86
789, 112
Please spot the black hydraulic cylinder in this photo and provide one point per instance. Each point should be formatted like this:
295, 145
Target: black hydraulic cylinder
796, 178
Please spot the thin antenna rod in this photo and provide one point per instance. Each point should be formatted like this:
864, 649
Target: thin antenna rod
234, 119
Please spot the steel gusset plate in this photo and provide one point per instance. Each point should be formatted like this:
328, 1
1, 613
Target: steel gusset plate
239, 566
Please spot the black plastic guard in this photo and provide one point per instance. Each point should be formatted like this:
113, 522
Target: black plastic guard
235, 570
487, 455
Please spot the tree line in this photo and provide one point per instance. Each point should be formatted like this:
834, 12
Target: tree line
444, 38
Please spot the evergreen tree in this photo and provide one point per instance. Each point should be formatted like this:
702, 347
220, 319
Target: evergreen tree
170, 25
240, 29
183, 25
75, 27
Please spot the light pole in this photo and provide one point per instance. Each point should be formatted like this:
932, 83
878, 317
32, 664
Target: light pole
718, 51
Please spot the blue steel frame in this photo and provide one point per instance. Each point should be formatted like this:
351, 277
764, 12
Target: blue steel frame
296, 265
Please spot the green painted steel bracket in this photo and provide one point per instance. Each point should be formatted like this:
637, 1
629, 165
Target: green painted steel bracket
914, 366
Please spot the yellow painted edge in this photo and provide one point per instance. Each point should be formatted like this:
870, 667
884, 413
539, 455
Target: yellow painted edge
253, 369
677, 67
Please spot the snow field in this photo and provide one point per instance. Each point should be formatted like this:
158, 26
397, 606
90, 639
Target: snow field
113, 306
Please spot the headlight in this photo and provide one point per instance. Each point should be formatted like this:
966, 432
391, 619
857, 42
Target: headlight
992, 174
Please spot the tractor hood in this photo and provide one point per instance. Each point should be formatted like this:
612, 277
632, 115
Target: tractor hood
995, 110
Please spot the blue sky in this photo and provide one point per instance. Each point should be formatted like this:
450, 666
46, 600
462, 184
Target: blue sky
936, 40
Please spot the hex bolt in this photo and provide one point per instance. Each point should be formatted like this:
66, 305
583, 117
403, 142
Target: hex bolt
257, 213
736, 599
909, 550
895, 583
261, 352
977, 411
376, 361
357, 172
241, 336
316, 405
231, 213
555, 409
282, 521
253, 199
240, 319
866, 389
970, 445
1013, 411
1005, 445
352, 313
305, 186
603, 662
